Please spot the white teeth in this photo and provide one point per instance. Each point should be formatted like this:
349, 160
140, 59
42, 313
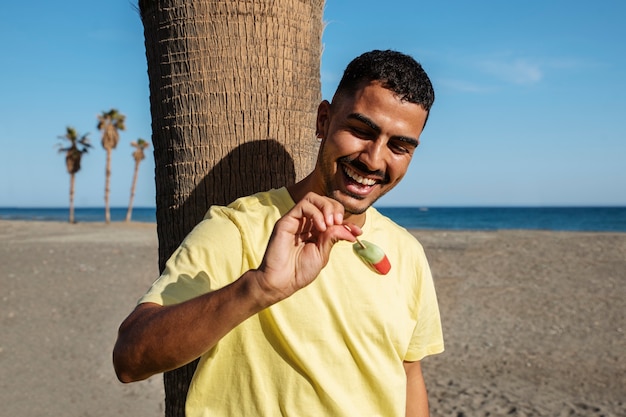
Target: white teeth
356, 177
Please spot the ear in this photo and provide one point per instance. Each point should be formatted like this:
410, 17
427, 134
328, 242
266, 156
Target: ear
323, 119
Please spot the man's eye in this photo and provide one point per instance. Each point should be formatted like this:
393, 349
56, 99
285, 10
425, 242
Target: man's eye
399, 147
360, 132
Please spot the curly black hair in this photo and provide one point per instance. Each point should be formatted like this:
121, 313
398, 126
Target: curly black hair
395, 71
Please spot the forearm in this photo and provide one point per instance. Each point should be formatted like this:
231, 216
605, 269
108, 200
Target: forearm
155, 339
416, 395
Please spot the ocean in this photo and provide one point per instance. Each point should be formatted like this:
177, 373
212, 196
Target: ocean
601, 219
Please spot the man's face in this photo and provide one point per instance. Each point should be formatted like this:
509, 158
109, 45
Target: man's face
367, 144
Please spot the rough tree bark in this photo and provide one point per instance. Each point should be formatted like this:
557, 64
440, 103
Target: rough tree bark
234, 87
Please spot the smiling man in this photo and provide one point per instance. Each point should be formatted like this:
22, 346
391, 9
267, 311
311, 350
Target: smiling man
368, 140
271, 294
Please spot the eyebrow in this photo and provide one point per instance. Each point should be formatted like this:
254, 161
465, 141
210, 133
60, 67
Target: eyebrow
370, 123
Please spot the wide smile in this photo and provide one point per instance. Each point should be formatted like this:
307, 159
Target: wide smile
356, 177
356, 184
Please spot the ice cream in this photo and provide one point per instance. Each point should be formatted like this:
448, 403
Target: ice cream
372, 255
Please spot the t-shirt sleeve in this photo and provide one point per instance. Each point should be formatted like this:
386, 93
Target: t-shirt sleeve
209, 258
427, 336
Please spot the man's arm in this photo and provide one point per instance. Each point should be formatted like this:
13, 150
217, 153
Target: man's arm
416, 397
156, 338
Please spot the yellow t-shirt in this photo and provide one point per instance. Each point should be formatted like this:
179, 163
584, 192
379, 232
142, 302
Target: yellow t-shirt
334, 348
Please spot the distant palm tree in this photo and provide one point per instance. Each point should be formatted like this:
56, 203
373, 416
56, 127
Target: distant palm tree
109, 123
73, 154
139, 156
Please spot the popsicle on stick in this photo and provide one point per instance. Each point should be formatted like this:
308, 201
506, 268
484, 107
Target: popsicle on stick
372, 255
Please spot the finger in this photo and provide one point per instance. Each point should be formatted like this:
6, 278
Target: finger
333, 235
353, 228
332, 210
310, 215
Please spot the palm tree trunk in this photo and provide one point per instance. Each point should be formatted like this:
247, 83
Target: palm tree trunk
234, 88
72, 181
107, 190
132, 192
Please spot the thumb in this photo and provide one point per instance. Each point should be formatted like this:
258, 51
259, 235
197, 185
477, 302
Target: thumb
332, 235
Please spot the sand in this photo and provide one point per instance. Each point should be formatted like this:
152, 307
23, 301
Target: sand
534, 321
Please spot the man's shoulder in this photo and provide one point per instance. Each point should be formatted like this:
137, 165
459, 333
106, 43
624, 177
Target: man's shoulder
254, 214
261, 204
384, 224
274, 199
395, 235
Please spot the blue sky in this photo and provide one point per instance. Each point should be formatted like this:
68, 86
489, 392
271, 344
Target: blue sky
530, 108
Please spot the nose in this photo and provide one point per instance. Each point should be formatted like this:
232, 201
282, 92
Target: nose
373, 156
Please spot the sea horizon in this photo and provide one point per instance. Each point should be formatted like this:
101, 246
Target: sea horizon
557, 218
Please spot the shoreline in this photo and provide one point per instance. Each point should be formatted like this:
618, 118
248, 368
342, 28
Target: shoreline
559, 218
413, 230
534, 320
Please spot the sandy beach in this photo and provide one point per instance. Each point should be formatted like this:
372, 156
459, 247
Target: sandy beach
534, 321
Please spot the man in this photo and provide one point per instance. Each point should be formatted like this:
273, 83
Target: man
269, 292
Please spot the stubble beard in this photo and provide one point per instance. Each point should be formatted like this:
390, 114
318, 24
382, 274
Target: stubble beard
336, 194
